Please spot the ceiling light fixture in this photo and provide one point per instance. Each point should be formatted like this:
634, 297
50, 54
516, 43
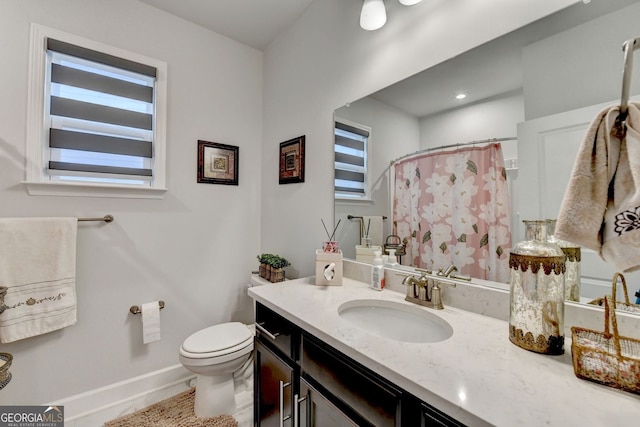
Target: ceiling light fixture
373, 15
461, 96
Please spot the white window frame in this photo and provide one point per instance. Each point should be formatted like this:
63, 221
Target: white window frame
366, 196
37, 179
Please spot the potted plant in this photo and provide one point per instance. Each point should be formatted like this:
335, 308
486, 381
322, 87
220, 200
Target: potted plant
272, 267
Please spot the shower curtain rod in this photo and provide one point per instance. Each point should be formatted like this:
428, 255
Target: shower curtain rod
481, 141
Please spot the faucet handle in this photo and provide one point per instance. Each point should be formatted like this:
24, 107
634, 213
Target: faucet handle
436, 297
424, 272
436, 293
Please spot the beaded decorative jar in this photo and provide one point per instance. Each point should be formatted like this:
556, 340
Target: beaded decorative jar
536, 316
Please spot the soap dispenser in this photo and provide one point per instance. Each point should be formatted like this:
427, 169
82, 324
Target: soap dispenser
377, 272
392, 262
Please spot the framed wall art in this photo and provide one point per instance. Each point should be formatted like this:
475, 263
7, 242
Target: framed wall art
217, 163
292, 161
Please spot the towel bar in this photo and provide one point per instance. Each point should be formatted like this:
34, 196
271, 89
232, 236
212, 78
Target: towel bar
106, 218
135, 309
359, 217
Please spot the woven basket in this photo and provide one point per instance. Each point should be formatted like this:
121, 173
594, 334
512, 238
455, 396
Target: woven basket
607, 358
271, 274
625, 305
5, 375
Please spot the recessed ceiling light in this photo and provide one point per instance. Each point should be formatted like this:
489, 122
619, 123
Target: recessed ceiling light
461, 96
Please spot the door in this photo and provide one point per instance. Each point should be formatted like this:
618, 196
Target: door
315, 410
273, 387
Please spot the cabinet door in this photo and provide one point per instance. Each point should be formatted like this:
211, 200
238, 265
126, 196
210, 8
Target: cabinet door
434, 418
278, 331
315, 410
273, 387
372, 398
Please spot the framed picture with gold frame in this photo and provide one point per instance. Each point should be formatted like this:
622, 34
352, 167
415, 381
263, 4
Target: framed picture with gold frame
217, 163
292, 160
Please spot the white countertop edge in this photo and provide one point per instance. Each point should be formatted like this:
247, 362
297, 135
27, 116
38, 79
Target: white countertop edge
502, 384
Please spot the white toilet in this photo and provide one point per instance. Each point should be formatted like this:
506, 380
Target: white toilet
221, 356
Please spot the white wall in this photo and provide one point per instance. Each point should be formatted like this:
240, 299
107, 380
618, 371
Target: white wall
495, 118
552, 84
194, 249
325, 60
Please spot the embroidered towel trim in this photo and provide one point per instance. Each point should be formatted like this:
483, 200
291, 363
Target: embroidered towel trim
601, 207
38, 265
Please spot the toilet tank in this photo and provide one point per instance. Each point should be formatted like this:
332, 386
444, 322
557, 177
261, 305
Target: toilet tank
246, 313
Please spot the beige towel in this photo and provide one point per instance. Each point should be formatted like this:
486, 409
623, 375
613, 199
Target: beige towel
374, 225
601, 207
38, 265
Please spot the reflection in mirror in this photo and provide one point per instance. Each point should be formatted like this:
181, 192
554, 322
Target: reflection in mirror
543, 84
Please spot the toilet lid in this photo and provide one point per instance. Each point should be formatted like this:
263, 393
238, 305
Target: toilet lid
216, 338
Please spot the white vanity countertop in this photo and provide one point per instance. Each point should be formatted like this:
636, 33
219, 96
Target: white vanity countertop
476, 376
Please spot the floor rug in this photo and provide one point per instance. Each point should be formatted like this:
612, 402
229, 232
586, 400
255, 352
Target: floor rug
177, 411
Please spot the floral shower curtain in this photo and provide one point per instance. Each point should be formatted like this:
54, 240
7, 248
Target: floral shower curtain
453, 208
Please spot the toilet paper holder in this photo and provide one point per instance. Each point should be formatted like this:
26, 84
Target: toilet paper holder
135, 309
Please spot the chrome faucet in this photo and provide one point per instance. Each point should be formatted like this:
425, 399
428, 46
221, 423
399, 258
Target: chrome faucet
448, 271
425, 290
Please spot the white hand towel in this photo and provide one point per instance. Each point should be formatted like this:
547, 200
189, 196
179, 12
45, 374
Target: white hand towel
150, 322
374, 225
601, 207
38, 265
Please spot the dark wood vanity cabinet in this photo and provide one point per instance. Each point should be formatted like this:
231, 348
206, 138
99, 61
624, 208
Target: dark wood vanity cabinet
300, 381
276, 369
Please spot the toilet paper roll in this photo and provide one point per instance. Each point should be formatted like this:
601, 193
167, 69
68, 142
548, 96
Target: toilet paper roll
150, 322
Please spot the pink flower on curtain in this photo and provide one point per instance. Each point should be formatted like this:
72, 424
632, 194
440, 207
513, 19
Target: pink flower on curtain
453, 208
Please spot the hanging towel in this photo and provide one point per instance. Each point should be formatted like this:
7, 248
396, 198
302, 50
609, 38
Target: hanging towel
601, 207
374, 227
38, 265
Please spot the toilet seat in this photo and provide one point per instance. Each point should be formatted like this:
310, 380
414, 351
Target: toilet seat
227, 339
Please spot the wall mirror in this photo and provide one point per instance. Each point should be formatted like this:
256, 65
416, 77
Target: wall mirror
538, 88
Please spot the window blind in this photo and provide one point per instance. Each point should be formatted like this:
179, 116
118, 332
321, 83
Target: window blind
101, 110
350, 160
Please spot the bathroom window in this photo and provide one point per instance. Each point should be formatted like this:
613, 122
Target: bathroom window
351, 160
96, 119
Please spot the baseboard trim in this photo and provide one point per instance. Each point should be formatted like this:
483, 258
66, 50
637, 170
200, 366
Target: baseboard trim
149, 387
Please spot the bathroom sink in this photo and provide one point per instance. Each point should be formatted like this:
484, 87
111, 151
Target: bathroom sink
395, 321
